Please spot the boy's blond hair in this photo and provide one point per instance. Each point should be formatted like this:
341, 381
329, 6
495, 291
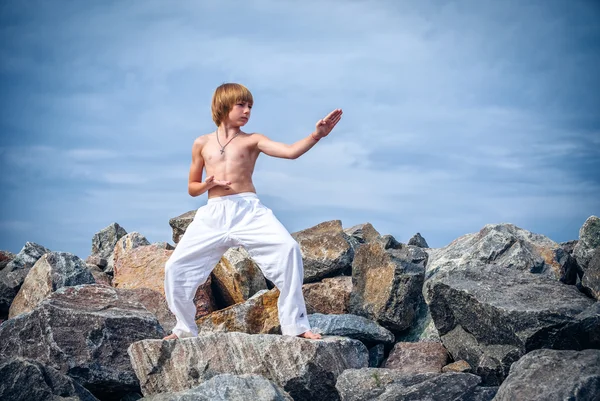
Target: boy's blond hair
225, 97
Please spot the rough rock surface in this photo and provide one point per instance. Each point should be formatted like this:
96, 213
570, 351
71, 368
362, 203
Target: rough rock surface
236, 278
258, 315
490, 317
376, 355
14, 273
547, 375
28, 380
591, 278
330, 296
458, 366
127, 243
180, 223
104, 241
228, 387
390, 384
363, 233
418, 240
351, 326
97, 261
326, 250
412, 358
5, 258
84, 332
155, 303
423, 329
306, 369
589, 240
52, 271
99, 275
506, 246
163, 245
386, 285
568, 246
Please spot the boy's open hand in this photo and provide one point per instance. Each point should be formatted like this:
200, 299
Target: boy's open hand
325, 125
217, 183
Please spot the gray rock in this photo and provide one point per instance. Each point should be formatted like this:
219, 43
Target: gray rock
52, 271
84, 332
376, 355
589, 240
386, 285
326, 250
490, 317
569, 246
391, 385
14, 273
104, 241
351, 326
27, 380
505, 246
5, 258
228, 387
421, 357
180, 223
306, 369
547, 375
418, 240
363, 233
163, 245
590, 282
423, 329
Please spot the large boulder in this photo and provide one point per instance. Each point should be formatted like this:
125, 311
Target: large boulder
84, 332
491, 316
350, 326
236, 278
14, 273
52, 271
590, 281
387, 284
418, 240
421, 357
306, 369
506, 246
228, 387
330, 296
258, 315
180, 223
28, 380
363, 233
124, 244
547, 375
326, 250
104, 241
390, 384
589, 240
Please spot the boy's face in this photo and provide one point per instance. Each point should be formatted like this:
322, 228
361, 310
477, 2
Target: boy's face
240, 113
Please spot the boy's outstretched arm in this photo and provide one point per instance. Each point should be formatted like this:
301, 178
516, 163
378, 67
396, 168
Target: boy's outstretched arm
295, 150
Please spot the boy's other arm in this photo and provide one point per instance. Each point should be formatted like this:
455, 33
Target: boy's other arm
297, 149
196, 186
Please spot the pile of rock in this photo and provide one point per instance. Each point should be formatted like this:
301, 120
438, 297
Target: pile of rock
499, 314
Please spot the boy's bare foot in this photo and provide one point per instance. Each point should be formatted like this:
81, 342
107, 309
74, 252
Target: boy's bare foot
310, 335
171, 336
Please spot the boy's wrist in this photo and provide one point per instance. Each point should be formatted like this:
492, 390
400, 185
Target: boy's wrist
315, 137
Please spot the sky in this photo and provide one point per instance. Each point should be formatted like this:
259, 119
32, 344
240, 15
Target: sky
457, 114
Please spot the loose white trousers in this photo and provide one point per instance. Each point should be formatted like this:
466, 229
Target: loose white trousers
230, 221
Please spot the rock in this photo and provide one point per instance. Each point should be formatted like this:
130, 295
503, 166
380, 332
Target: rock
84, 332
306, 369
386, 285
330, 296
418, 241
423, 357
144, 267
125, 244
505, 246
423, 329
326, 250
553, 375
236, 278
104, 241
155, 303
568, 246
228, 387
458, 366
14, 273
25, 380
351, 326
589, 240
96, 261
180, 223
163, 245
391, 384
389, 242
258, 315
363, 233
99, 275
490, 317
376, 355
590, 281
52, 271
5, 258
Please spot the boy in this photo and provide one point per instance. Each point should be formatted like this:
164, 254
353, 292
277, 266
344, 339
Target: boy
234, 216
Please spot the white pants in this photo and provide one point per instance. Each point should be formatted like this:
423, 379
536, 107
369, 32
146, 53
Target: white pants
229, 221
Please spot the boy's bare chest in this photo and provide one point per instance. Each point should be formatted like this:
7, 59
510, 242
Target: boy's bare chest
238, 150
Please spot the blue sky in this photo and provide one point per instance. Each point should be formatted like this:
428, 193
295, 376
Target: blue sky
456, 113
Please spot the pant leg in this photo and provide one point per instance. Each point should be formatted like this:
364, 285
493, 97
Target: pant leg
279, 257
192, 261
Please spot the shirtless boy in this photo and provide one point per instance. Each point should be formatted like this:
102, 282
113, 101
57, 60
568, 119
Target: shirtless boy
234, 216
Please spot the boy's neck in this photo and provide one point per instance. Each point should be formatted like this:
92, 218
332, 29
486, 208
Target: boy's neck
228, 129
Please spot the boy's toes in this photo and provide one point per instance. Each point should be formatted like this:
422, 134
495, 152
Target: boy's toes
310, 335
171, 336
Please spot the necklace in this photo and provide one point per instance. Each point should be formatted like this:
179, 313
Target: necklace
223, 146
